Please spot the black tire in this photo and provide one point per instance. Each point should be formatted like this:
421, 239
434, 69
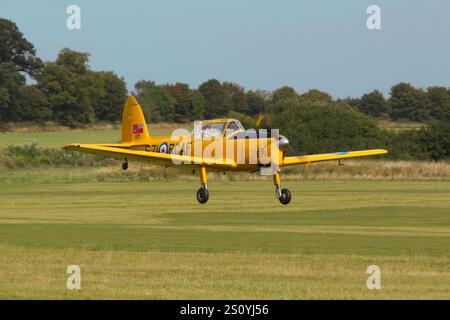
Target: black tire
124, 165
285, 197
202, 195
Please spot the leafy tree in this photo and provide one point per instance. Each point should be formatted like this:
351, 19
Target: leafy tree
156, 101
257, 102
197, 105
16, 49
440, 103
190, 104
72, 90
180, 91
236, 98
66, 109
17, 56
141, 85
407, 102
10, 83
215, 98
4, 104
317, 95
284, 93
373, 104
342, 105
405, 145
19, 102
33, 105
352, 102
78, 95
109, 97
435, 140
73, 61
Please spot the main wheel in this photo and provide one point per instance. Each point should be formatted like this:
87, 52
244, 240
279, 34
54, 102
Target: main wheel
285, 196
125, 165
202, 195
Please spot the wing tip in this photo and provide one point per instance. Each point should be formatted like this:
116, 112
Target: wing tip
71, 146
383, 151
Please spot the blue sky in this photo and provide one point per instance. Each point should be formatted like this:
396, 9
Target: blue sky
321, 44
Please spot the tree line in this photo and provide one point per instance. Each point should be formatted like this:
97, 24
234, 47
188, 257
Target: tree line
66, 91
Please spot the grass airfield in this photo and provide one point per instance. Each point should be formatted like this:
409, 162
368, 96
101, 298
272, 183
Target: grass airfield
152, 240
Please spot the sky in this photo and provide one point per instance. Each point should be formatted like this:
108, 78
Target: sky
321, 44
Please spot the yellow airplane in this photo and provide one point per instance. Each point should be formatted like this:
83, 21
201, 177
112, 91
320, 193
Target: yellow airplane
220, 144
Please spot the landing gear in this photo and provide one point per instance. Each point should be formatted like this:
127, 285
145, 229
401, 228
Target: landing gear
125, 165
283, 195
202, 193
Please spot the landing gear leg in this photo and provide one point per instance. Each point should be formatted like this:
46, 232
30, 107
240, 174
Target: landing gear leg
202, 193
125, 165
283, 195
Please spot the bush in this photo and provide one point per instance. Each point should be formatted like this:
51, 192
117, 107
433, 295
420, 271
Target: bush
435, 140
316, 127
30, 155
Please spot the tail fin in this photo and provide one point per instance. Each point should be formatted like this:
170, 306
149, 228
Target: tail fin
134, 127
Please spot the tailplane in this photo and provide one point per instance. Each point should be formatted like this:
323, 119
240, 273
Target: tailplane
134, 127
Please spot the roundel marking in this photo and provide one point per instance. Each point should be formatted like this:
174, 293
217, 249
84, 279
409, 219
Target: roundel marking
163, 147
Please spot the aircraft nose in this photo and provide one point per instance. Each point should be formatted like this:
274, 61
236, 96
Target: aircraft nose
283, 143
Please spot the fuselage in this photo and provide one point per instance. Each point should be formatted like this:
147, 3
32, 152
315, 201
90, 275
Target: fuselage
250, 149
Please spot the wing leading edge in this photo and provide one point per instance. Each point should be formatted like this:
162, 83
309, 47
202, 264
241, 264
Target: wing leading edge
290, 161
121, 152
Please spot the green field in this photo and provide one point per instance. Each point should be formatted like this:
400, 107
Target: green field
58, 139
152, 240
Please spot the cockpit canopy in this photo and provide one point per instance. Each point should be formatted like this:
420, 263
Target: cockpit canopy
216, 128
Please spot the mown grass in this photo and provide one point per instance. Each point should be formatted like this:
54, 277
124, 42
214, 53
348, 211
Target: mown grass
152, 240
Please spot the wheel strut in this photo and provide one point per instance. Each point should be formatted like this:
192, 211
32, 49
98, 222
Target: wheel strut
283, 195
202, 192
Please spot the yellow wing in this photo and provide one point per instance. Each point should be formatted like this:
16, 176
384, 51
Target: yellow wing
290, 161
121, 151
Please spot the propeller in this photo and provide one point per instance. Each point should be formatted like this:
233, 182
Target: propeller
283, 142
259, 120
